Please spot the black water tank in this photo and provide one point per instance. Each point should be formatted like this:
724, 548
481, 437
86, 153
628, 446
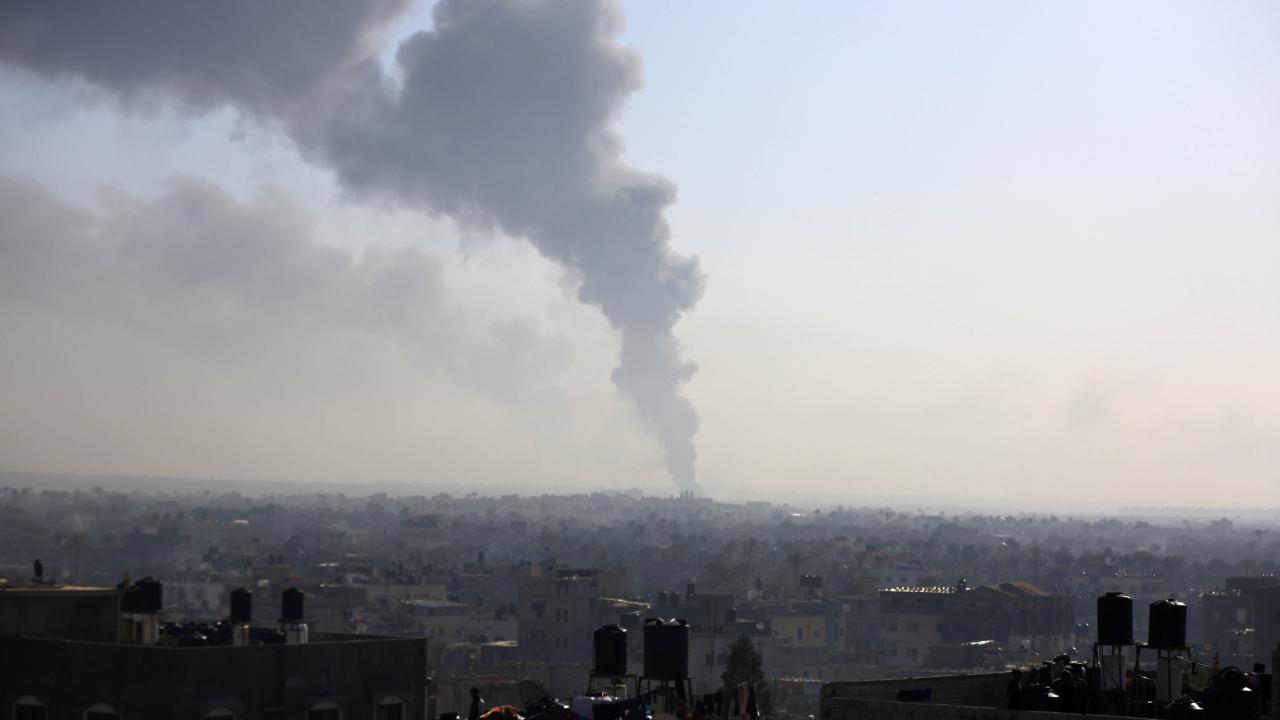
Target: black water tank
609, 651
666, 649
150, 595
1167, 629
292, 605
131, 600
241, 606
1115, 619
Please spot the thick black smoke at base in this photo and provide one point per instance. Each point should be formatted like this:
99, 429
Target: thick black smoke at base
500, 116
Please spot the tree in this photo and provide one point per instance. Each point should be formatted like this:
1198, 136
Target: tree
744, 665
796, 560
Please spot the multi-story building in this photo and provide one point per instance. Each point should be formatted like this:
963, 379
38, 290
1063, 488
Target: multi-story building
911, 621
553, 608
1016, 614
1242, 622
1266, 615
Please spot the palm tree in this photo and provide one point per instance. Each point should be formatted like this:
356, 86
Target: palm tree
796, 561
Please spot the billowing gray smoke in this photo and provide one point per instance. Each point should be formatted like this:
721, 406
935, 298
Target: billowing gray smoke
500, 116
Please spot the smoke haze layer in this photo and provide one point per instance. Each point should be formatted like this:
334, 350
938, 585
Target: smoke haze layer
500, 116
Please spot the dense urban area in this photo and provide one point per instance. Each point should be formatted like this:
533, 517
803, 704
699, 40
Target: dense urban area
512, 587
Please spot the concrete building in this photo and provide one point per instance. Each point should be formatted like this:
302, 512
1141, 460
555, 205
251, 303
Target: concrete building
1267, 618
552, 609
1241, 623
800, 628
63, 655
330, 678
69, 612
1014, 614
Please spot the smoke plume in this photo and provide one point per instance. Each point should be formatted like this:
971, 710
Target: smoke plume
500, 116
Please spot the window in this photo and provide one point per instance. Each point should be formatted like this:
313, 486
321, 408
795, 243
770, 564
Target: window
324, 710
29, 708
389, 708
913, 627
101, 711
799, 633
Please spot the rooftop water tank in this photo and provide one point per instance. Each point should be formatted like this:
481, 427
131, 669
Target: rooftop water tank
666, 649
1167, 629
292, 605
241, 606
150, 596
1115, 619
609, 651
131, 600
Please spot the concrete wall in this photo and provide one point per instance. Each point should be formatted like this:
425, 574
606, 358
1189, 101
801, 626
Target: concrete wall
859, 709
1275, 682
85, 613
1267, 624
980, 689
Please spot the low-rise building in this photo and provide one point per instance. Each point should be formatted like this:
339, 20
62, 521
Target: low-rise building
63, 656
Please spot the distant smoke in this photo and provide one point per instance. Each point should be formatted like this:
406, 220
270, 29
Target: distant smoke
499, 116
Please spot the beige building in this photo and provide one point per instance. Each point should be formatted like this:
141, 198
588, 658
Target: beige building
905, 638
800, 630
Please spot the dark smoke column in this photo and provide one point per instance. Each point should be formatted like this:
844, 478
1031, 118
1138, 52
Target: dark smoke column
501, 117
504, 119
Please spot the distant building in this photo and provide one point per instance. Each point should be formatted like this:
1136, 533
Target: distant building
553, 609
1013, 614
1267, 616
911, 621
1241, 623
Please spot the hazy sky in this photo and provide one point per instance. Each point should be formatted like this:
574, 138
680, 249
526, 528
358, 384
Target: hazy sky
952, 251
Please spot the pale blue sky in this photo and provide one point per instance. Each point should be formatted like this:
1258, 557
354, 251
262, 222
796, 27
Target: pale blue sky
952, 248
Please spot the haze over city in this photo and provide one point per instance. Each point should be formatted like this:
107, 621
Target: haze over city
1005, 253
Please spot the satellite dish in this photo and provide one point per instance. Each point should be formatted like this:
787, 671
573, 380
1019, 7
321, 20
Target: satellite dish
531, 692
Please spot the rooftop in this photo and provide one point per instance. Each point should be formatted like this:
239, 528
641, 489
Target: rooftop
29, 587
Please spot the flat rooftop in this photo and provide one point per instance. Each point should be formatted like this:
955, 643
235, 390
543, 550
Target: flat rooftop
26, 587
